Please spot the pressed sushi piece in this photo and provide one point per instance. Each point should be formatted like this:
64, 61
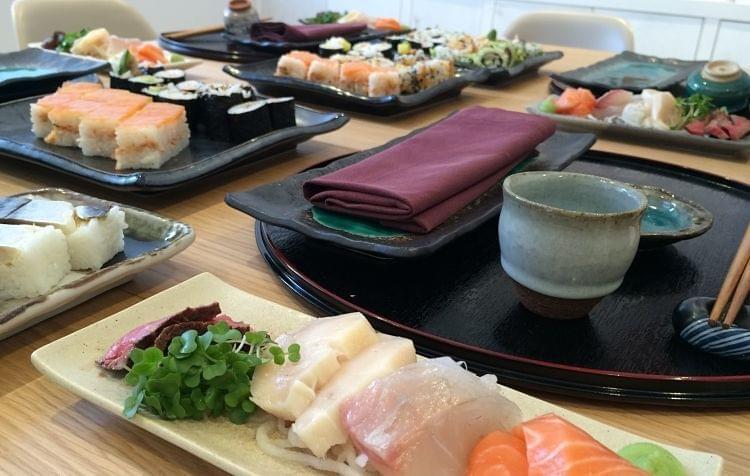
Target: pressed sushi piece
282, 112
96, 240
319, 427
426, 418
66, 118
40, 124
151, 136
287, 390
56, 213
33, 259
324, 71
249, 120
78, 87
555, 446
384, 82
97, 128
498, 454
355, 77
189, 100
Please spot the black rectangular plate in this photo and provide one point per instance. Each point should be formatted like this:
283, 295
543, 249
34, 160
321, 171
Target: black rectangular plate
213, 46
281, 47
502, 75
203, 157
261, 75
459, 302
282, 203
597, 77
56, 69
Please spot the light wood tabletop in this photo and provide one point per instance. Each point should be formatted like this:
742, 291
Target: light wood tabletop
45, 429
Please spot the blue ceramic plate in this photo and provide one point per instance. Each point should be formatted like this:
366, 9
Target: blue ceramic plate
670, 218
33, 71
630, 71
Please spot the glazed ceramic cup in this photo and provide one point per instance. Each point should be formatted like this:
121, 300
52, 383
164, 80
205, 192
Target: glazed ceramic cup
567, 239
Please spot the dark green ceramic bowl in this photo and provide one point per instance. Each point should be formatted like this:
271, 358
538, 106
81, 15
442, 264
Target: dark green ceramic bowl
724, 81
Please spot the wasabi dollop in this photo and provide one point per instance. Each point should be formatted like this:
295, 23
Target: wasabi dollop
653, 459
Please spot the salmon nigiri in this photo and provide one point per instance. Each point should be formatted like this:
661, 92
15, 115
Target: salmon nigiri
576, 102
498, 454
556, 447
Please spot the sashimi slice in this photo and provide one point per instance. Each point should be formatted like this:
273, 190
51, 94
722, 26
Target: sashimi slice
556, 447
576, 102
612, 103
148, 52
499, 454
426, 418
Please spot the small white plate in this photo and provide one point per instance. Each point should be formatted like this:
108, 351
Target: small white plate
149, 239
187, 64
69, 362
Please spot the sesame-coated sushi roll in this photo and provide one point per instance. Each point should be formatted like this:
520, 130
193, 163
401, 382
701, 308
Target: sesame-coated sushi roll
249, 120
282, 112
324, 71
385, 82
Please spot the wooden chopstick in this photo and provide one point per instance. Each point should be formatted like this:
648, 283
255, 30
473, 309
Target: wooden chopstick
736, 271
740, 295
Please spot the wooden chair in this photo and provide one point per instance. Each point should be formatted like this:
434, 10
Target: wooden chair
580, 30
35, 20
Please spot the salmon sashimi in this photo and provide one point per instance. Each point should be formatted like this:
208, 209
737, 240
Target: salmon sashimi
499, 454
426, 418
576, 102
387, 24
148, 52
556, 447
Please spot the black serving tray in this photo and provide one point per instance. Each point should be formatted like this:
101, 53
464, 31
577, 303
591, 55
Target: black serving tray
213, 46
498, 76
281, 47
203, 157
52, 69
459, 302
629, 70
261, 75
283, 204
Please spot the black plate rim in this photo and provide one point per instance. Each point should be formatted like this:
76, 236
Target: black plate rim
686, 67
321, 92
315, 294
182, 47
386, 250
368, 34
530, 64
39, 55
157, 180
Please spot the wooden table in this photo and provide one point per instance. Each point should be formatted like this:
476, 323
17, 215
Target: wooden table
45, 429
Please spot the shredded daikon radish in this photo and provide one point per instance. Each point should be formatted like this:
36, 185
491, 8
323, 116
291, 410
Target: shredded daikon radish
272, 447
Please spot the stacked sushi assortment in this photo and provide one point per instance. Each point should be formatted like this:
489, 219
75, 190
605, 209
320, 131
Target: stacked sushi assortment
41, 241
224, 112
371, 76
113, 123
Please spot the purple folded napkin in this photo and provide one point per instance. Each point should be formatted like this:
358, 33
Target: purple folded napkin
419, 183
278, 32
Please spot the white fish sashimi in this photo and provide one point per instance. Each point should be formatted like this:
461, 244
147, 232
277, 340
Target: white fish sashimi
612, 103
287, 390
636, 113
425, 418
662, 106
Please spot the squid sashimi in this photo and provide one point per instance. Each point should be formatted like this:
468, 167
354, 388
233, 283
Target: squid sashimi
665, 114
576, 102
499, 454
425, 418
612, 103
556, 447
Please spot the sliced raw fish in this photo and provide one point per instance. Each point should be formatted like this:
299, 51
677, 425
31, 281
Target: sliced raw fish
426, 418
499, 454
556, 447
612, 103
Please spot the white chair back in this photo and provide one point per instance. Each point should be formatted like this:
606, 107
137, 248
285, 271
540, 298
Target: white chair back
35, 20
580, 30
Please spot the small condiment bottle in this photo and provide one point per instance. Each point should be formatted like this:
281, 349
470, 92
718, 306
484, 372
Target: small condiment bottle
239, 17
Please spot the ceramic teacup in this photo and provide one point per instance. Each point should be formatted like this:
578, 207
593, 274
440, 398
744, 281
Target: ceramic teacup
567, 239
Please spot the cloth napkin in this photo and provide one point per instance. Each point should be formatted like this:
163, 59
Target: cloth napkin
419, 183
276, 31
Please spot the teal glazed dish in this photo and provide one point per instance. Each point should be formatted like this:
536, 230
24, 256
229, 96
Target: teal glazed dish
724, 82
670, 218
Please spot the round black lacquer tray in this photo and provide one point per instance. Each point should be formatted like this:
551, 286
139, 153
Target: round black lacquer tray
214, 46
459, 302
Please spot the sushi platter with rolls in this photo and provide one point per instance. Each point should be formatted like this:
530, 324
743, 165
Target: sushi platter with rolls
329, 396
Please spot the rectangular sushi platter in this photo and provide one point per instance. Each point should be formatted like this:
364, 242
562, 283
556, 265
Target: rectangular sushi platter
149, 239
69, 362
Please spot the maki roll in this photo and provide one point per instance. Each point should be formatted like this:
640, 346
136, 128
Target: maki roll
172, 76
120, 81
188, 100
373, 49
249, 120
138, 83
191, 86
334, 46
281, 112
216, 99
153, 91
